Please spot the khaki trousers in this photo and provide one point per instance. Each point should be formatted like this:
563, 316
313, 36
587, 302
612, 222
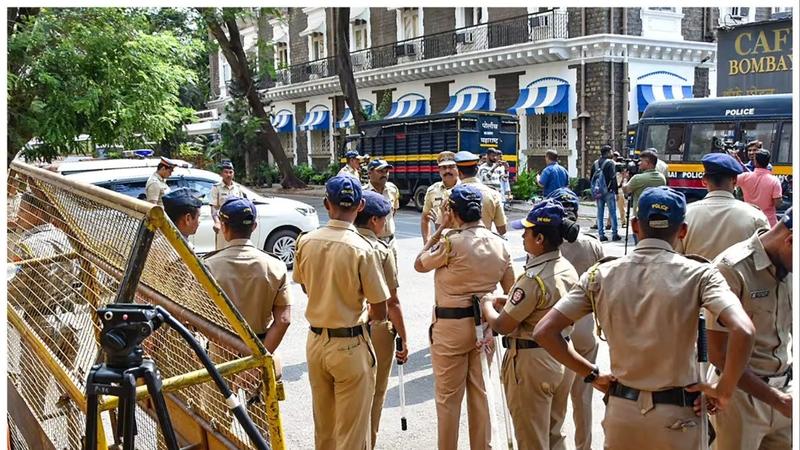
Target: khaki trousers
383, 341
341, 372
637, 425
536, 387
456, 369
585, 343
748, 423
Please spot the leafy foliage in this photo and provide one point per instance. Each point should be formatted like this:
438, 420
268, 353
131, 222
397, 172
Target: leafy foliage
239, 132
525, 187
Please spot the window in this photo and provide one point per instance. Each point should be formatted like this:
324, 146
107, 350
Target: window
317, 46
667, 139
763, 131
739, 12
201, 186
360, 38
410, 22
282, 55
704, 137
320, 142
287, 142
547, 131
784, 153
661, 8
226, 71
468, 17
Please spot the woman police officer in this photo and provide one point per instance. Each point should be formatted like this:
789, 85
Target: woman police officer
469, 261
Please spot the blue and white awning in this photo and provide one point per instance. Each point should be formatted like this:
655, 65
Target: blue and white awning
542, 100
347, 118
649, 93
283, 123
476, 101
407, 108
315, 120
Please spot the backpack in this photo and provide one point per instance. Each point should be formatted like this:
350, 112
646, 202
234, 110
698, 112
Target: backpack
598, 182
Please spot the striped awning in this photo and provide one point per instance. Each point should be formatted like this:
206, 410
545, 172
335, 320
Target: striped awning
649, 93
468, 102
315, 120
347, 118
406, 108
283, 123
542, 100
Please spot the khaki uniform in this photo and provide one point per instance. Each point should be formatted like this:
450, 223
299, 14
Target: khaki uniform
347, 170
717, 222
253, 280
653, 288
583, 254
155, 188
435, 197
491, 205
392, 194
219, 193
534, 381
749, 423
338, 269
468, 261
381, 333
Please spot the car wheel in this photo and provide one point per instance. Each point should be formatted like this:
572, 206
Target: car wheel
419, 196
281, 245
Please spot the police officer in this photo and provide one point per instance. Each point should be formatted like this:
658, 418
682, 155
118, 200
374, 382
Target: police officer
469, 260
582, 254
338, 269
220, 192
719, 220
370, 222
535, 383
353, 165
438, 192
156, 186
379, 182
647, 305
758, 271
254, 281
183, 209
492, 208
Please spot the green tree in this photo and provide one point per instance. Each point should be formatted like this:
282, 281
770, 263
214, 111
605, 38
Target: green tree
97, 71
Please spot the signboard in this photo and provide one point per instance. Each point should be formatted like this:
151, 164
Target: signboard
489, 132
755, 59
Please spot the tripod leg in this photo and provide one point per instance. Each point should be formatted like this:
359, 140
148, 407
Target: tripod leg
128, 411
153, 381
90, 442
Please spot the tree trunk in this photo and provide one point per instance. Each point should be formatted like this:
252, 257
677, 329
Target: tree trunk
237, 59
344, 66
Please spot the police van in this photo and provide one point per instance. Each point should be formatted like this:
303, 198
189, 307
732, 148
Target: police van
683, 131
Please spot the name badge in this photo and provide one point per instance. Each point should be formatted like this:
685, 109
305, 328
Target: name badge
761, 293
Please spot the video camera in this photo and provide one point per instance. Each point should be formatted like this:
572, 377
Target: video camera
125, 327
730, 146
629, 165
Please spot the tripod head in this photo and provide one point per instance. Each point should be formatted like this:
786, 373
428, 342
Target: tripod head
125, 327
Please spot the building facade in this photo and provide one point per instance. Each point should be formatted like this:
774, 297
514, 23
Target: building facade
575, 77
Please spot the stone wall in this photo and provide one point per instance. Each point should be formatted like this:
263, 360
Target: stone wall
383, 26
302, 142
701, 87
298, 45
504, 13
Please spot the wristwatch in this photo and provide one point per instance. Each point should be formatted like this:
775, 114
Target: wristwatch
592, 375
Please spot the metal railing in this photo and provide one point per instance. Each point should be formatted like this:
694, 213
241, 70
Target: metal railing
551, 24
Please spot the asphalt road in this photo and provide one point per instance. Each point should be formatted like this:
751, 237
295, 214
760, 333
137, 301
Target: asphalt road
416, 297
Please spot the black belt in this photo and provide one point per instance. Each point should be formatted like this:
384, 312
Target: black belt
453, 313
522, 343
675, 396
357, 330
766, 379
261, 336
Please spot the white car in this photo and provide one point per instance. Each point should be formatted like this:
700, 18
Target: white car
280, 220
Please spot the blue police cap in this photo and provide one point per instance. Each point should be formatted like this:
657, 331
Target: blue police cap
463, 195
721, 163
238, 211
351, 154
226, 165
568, 199
378, 164
548, 213
465, 158
343, 190
787, 218
376, 205
661, 201
181, 198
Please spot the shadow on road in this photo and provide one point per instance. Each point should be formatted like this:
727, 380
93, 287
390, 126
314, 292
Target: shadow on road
294, 372
419, 390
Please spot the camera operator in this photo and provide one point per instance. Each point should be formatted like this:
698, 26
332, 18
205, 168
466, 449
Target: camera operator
647, 177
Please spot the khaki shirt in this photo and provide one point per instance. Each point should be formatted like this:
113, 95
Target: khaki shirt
468, 261
767, 300
391, 193
338, 268
527, 303
648, 304
583, 253
347, 170
156, 188
221, 192
435, 197
385, 256
491, 205
717, 222
254, 281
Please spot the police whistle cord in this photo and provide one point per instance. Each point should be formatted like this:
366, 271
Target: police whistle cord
487, 380
627, 220
398, 342
702, 366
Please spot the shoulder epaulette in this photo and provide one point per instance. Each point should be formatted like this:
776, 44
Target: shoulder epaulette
606, 259
361, 236
592, 236
737, 256
452, 232
700, 258
210, 254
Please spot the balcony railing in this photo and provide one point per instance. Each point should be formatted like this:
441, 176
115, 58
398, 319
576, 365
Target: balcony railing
516, 30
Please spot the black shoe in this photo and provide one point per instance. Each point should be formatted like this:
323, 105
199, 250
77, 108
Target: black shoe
616, 237
603, 238
594, 227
